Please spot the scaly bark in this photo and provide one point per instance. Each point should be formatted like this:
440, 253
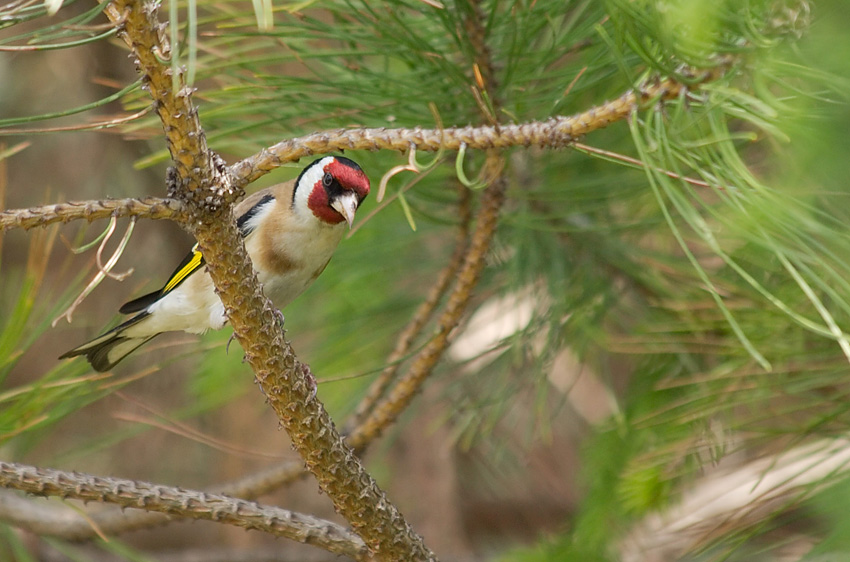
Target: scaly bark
203, 183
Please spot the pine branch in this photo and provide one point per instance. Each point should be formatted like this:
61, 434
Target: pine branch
148, 207
556, 132
553, 133
419, 319
72, 525
145, 35
402, 393
173, 501
559, 131
203, 183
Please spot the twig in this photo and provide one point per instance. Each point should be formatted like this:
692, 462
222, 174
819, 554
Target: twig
103, 270
174, 501
378, 415
555, 132
148, 207
386, 411
423, 313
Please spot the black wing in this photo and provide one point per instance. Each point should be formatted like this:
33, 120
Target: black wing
191, 263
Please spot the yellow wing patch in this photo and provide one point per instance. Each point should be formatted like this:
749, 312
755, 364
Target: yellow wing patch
191, 265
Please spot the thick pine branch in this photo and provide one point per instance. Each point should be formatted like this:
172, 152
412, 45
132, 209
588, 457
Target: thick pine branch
553, 133
175, 501
72, 525
417, 322
202, 181
148, 207
284, 380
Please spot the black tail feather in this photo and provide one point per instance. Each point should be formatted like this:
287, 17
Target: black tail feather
106, 350
105, 355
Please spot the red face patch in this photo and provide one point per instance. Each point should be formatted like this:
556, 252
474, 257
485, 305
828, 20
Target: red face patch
349, 176
320, 205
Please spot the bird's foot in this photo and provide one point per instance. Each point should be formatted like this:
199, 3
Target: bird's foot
229, 341
279, 317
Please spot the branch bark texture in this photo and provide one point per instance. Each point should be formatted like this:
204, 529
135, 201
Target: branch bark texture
417, 323
552, 133
62, 522
175, 501
145, 35
149, 207
203, 183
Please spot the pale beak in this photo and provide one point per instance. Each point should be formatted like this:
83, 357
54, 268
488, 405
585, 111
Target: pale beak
346, 205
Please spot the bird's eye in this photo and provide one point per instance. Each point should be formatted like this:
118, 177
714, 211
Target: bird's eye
327, 179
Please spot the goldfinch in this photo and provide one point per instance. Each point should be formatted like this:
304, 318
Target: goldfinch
291, 231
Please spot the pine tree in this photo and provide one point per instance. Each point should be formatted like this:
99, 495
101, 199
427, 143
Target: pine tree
614, 226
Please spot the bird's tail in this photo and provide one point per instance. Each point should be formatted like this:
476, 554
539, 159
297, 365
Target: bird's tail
105, 351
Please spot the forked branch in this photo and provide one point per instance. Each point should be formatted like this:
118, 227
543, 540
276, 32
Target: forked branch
204, 189
204, 184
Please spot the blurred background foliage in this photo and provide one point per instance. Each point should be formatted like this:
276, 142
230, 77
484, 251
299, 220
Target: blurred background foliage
635, 336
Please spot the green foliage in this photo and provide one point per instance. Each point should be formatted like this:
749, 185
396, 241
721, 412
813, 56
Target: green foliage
30, 410
351, 63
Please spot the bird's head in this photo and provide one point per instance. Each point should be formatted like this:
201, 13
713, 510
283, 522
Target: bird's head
331, 188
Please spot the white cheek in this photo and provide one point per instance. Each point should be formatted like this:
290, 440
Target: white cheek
305, 187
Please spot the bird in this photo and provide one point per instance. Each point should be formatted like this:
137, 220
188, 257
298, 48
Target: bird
291, 230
